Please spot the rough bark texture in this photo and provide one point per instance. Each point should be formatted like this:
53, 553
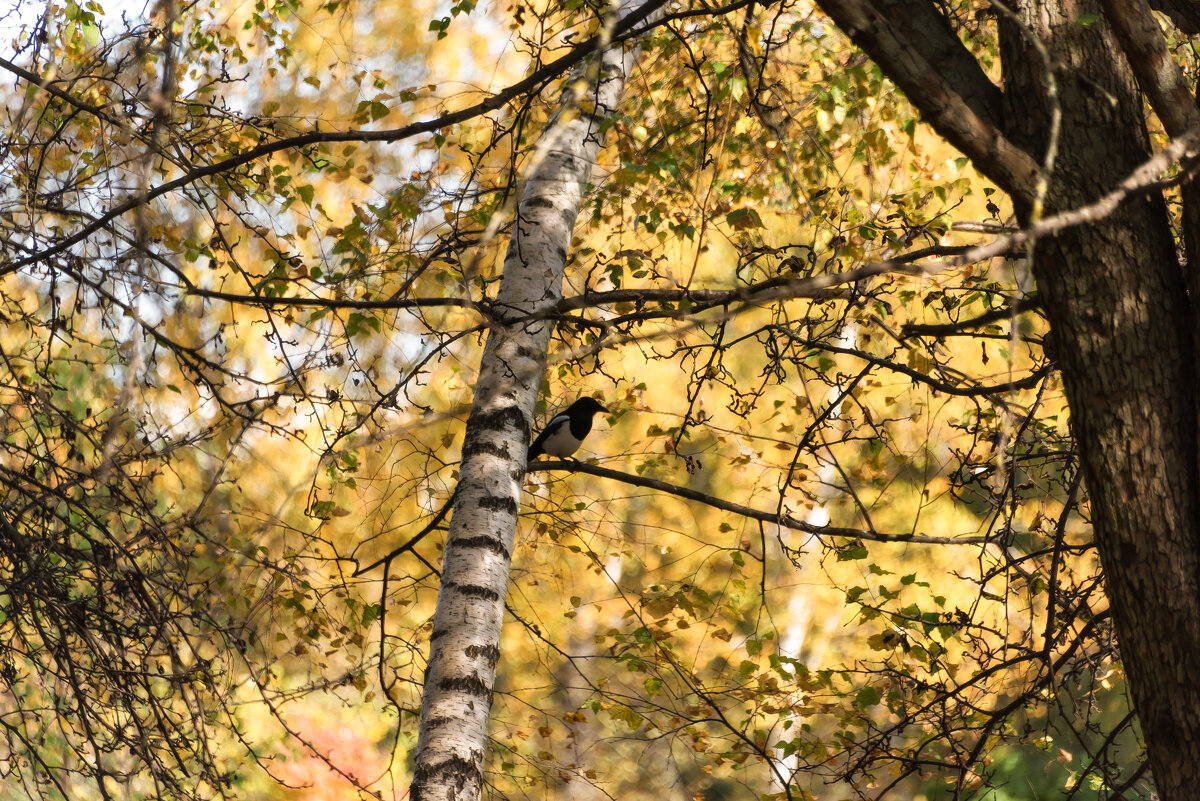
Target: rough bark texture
1117, 303
1120, 314
465, 641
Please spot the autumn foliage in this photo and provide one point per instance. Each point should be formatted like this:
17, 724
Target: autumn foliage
834, 540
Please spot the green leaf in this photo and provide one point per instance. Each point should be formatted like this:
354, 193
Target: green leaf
867, 696
627, 716
744, 219
852, 552
322, 510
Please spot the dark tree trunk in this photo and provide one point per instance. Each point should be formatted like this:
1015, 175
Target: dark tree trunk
1120, 315
1121, 319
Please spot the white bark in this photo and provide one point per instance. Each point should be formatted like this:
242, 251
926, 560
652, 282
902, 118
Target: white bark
464, 644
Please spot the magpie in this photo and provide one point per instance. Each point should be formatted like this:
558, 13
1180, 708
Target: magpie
563, 435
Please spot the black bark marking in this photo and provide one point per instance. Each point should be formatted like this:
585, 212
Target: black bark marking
526, 352
537, 202
476, 591
487, 543
478, 446
489, 653
461, 772
498, 503
483, 424
471, 685
499, 419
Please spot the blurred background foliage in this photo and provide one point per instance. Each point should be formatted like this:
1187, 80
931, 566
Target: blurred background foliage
221, 404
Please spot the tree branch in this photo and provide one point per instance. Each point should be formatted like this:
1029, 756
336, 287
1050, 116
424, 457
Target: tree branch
1184, 13
995, 315
782, 520
555, 68
1169, 93
966, 390
906, 40
46, 85
293, 301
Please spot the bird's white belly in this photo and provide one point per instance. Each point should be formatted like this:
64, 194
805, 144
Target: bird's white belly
561, 443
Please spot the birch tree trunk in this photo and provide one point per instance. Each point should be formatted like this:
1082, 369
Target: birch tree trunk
465, 643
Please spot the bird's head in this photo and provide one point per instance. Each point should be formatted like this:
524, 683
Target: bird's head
589, 405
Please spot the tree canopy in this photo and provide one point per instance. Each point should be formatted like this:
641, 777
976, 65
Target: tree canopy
890, 302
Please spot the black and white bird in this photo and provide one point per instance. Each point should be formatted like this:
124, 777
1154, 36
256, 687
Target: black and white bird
563, 435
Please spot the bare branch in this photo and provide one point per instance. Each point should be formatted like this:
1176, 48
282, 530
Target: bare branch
987, 318
955, 111
783, 520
